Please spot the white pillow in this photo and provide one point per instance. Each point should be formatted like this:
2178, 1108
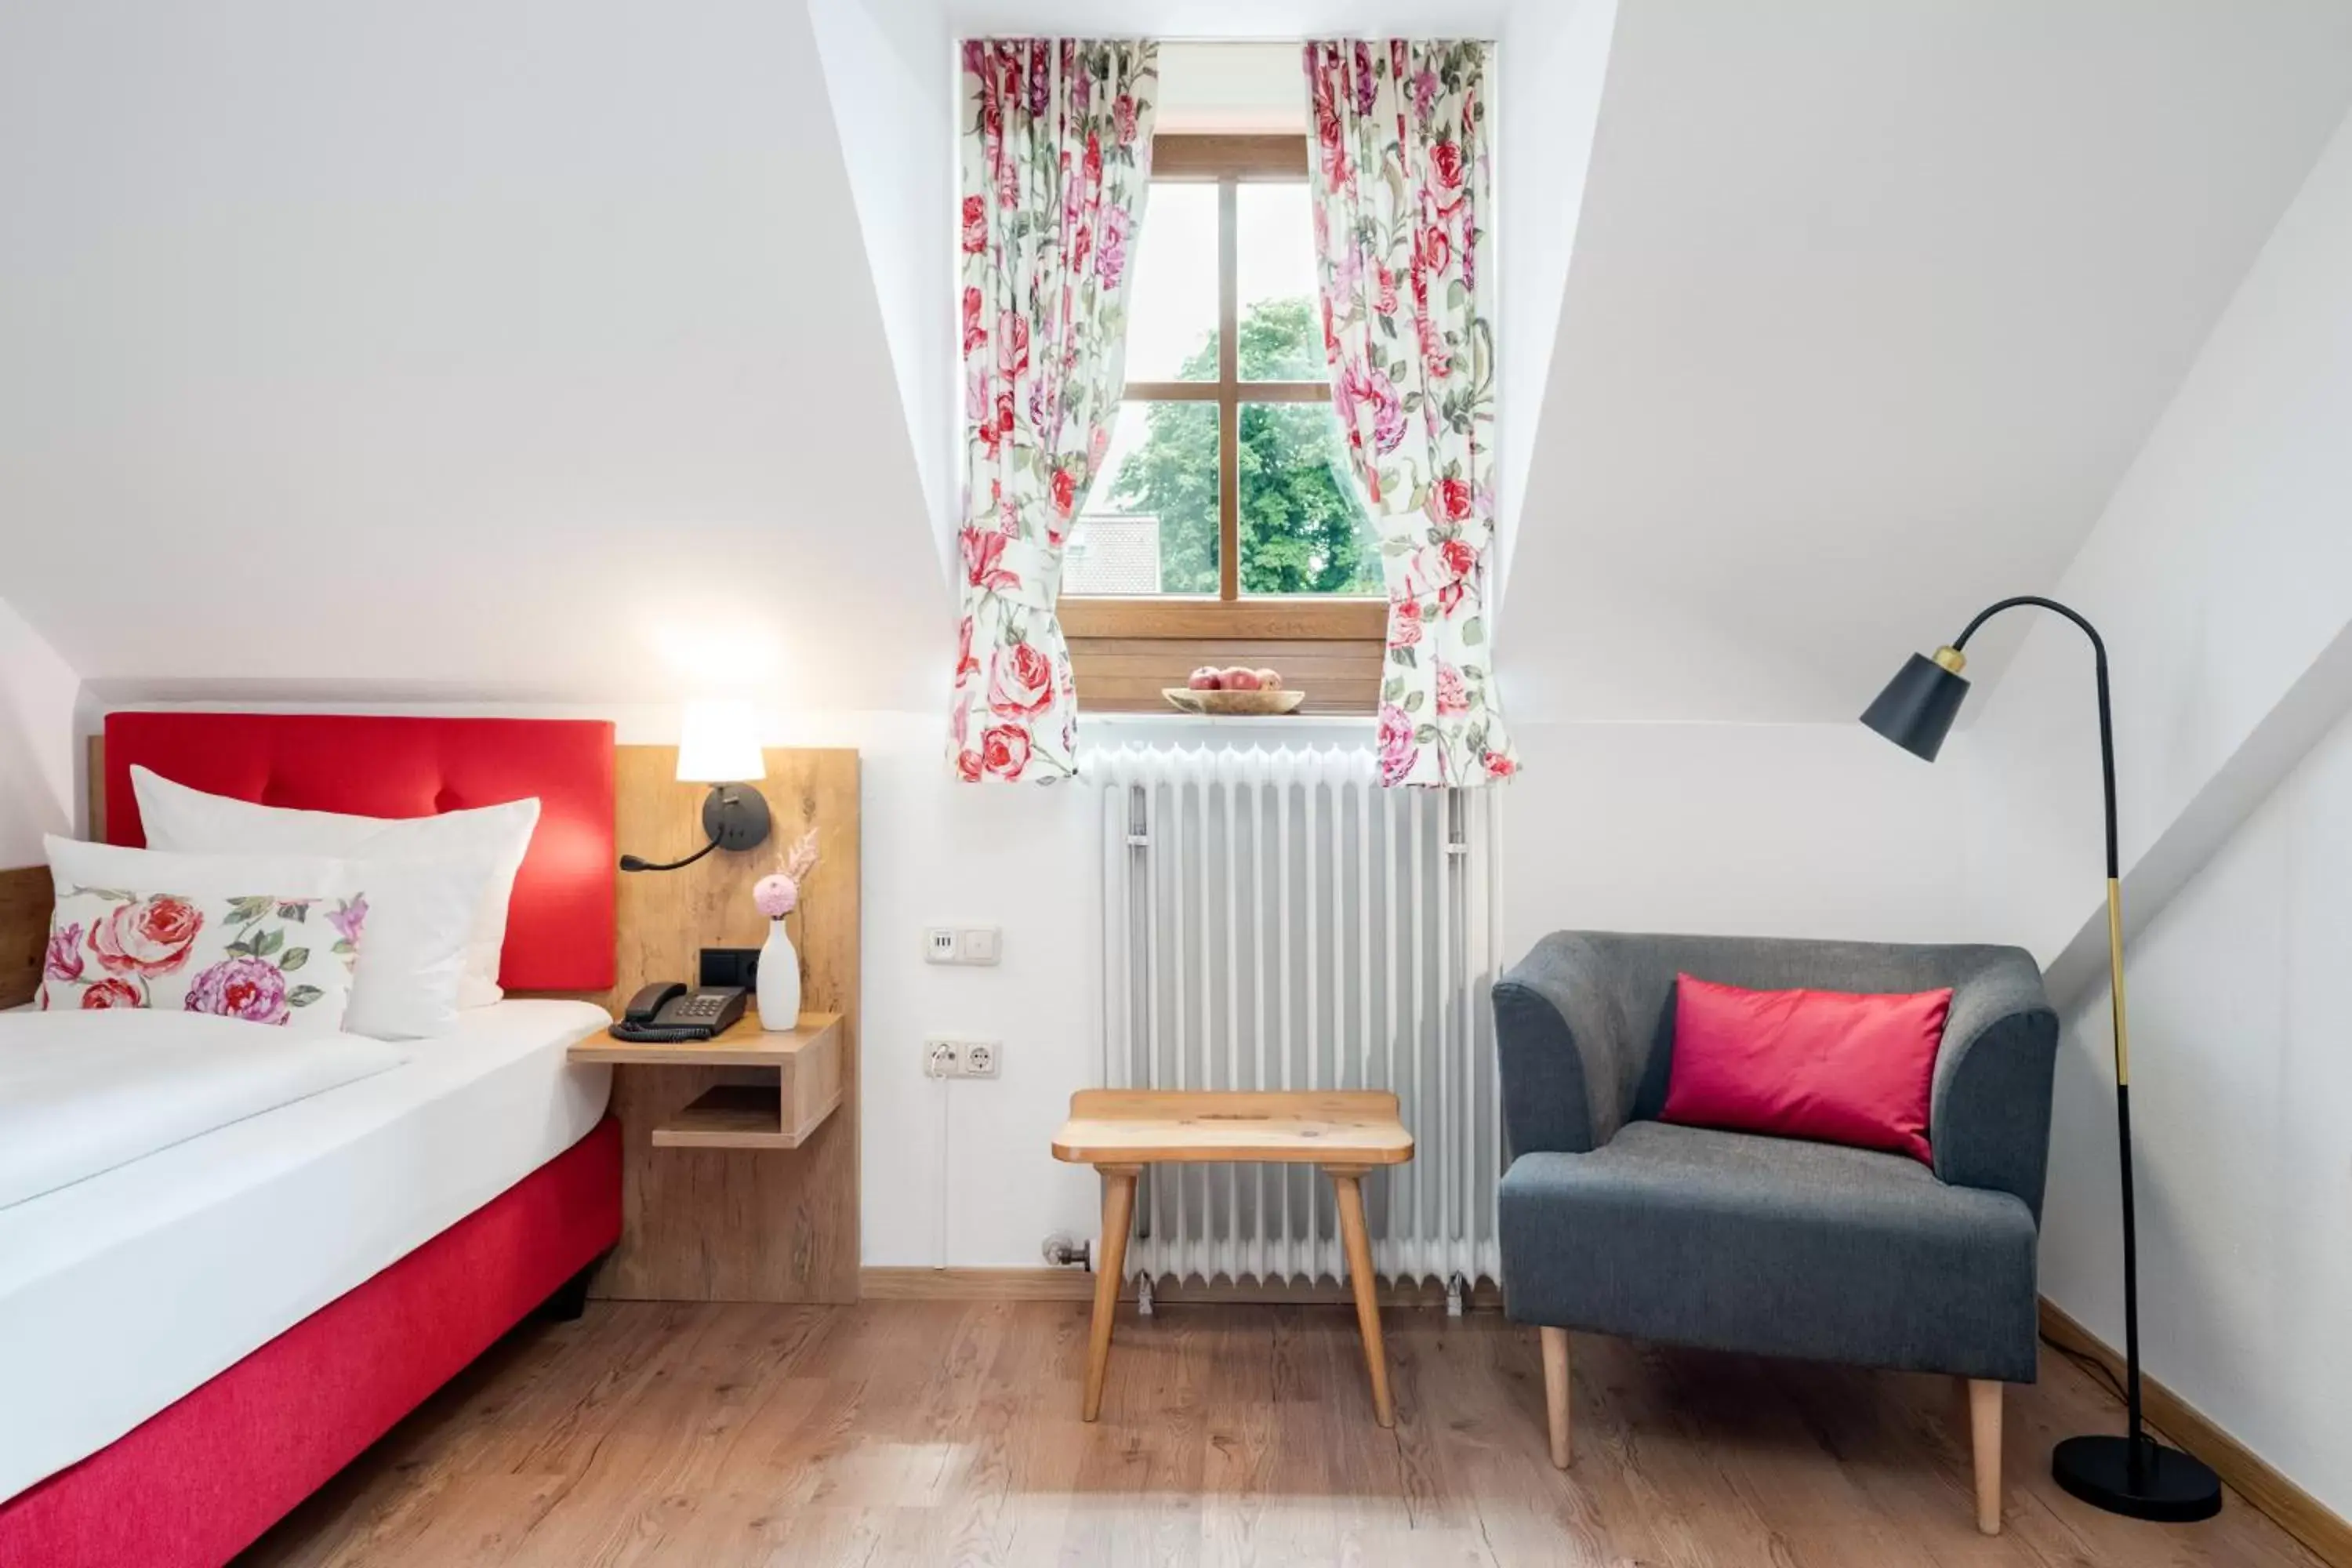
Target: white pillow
189, 820
417, 917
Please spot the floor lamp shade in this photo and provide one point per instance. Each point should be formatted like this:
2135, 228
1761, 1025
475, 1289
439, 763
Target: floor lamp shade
1917, 709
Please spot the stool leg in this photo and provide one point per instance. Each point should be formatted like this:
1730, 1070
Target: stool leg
1348, 1186
1118, 1214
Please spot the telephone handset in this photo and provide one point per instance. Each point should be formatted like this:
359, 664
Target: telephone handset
668, 1012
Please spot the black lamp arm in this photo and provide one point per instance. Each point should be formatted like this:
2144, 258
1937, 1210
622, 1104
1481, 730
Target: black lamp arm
2106, 720
638, 863
733, 817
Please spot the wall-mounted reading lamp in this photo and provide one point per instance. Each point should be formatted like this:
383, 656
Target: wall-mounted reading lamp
719, 744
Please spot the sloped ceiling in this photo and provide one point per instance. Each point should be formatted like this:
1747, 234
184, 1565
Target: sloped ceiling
540, 351
1871, 302
1554, 59
527, 350
888, 69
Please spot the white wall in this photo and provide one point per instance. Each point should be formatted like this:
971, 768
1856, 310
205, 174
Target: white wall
37, 692
1254, 89
2240, 1085
1221, 20
2219, 574
1810, 830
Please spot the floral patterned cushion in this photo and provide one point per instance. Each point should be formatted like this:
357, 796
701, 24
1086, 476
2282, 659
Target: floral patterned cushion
260, 957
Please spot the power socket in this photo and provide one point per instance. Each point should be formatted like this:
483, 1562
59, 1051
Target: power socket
978, 946
951, 1056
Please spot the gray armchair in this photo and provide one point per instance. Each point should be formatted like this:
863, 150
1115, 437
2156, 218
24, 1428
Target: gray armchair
1615, 1223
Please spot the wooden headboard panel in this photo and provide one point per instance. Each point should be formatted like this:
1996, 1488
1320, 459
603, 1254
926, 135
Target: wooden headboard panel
717, 1224
25, 900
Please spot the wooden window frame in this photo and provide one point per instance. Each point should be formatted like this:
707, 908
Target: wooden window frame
1227, 162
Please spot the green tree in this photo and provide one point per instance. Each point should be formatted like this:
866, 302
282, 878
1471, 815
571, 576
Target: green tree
1302, 531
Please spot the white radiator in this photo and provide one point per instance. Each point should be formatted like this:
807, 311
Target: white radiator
1276, 919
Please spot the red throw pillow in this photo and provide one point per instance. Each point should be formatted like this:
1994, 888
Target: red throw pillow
1825, 1065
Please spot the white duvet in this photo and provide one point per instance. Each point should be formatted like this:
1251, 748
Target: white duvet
85, 1092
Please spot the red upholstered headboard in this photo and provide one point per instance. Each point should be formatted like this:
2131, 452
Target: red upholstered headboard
560, 926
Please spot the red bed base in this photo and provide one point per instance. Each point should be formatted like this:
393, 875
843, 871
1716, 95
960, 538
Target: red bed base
199, 1481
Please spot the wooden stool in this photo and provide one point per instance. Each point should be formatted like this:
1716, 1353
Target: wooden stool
1119, 1131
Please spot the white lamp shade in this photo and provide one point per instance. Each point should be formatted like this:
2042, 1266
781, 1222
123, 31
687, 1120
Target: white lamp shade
719, 742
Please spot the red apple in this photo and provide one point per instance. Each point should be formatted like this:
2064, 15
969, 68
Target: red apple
1269, 679
1205, 679
1239, 679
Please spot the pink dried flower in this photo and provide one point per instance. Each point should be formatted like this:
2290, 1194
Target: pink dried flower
803, 859
776, 895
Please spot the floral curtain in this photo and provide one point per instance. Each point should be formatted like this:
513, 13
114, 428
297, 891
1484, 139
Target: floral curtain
1399, 175
1056, 150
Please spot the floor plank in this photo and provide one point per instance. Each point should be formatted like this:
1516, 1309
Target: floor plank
940, 1432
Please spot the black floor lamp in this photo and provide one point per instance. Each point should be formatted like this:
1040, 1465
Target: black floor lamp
2133, 1474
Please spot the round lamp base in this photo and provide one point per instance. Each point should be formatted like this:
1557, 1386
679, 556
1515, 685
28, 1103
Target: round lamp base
735, 816
2169, 1487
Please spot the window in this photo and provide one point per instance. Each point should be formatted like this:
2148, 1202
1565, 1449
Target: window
1224, 527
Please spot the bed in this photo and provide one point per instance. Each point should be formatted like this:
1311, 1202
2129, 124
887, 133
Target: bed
194, 1340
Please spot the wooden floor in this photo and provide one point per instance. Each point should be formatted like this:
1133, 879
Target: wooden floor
931, 1433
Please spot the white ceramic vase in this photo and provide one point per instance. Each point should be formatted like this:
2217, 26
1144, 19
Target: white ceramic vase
780, 981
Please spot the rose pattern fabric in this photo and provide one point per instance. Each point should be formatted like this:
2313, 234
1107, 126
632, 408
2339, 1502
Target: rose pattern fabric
249, 988
111, 992
349, 917
1398, 179
62, 958
234, 957
1056, 150
147, 936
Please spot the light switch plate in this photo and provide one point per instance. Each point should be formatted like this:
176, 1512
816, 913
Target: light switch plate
980, 944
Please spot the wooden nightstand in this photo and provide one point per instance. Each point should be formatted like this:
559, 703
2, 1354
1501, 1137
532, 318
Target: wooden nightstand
782, 1112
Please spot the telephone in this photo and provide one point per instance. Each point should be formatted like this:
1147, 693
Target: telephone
666, 1014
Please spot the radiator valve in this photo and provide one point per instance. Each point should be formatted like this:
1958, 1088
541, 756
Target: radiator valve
1063, 1252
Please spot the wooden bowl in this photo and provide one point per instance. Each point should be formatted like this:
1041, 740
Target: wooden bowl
1282, 699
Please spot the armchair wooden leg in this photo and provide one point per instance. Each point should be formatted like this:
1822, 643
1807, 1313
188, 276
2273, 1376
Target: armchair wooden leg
1555, 1359
1984, 1435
